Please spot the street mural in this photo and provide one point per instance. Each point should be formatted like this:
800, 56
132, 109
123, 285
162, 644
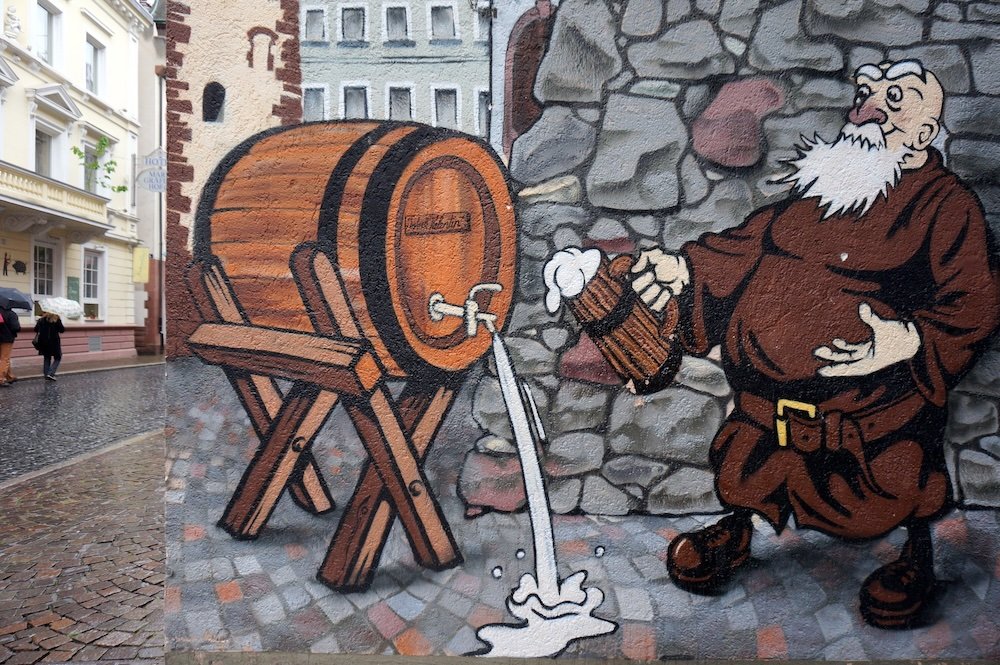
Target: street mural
703, 364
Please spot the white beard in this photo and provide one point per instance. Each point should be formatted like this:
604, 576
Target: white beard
848, 174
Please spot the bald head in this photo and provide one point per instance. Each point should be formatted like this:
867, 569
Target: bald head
905, 99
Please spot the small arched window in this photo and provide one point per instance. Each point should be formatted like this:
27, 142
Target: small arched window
212, 100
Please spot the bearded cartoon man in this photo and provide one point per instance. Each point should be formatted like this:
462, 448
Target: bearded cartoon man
845, 314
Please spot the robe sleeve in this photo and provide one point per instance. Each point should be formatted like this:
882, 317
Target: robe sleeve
719, 263
965, 307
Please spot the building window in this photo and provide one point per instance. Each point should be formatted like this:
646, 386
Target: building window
446, 108
355, 101
483, 114
43, 153
44, 270
352, 24
213, 98
396, 28
483, 16
89, 174
44, 40
91, 284
94, 65
313, 104
315, 25
443, 22
400, 104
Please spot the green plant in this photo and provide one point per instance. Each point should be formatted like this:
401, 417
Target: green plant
101, 171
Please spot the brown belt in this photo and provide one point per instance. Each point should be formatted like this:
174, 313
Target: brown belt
870, 424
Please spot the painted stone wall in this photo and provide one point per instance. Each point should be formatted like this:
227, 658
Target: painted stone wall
663, 121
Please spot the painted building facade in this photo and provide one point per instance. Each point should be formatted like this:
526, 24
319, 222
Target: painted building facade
68, 230
423, 60
554, 491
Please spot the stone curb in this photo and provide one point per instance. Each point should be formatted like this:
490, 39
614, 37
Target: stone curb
138, 438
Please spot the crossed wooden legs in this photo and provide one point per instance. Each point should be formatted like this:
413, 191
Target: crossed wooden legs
326, 369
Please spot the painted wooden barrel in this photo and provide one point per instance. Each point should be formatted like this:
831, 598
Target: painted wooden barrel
402, 210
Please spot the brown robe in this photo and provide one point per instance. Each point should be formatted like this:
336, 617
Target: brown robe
788, 281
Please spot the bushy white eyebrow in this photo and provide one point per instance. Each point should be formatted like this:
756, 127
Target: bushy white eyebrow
869, 71
905, 68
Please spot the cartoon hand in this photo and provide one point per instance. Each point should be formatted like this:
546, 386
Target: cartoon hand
658, 276
891, 342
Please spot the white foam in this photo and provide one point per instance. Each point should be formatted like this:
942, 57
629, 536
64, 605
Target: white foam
567, 273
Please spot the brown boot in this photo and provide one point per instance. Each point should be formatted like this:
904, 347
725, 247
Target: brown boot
701, 561
893, 596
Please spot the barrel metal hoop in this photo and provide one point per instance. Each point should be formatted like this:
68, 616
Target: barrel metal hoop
614, 318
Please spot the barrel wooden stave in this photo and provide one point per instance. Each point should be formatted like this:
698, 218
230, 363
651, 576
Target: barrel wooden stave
271, 200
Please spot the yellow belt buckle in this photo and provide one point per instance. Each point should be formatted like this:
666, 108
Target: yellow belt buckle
781, 424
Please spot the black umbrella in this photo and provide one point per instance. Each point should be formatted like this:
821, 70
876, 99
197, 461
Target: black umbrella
14, 299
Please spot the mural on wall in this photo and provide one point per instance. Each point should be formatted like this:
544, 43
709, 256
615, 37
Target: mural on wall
709, 369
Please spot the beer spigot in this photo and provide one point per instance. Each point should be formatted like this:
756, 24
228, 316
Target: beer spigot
438, 309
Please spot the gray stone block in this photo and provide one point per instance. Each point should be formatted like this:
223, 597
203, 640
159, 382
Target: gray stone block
586, 114
640, 144
970, 417
634, 470
864, 55
739, 17
677, 10
948, 11
602, 498
984, 377
564, 494
979, 477
686, 491
890, 22
530, 357
948, 31
556, 144
693, 181
542, 219
780, 45
607, 228
645, 225
975, 160
729, 202
689, 50
985, 73
579, 406
946, 61
581, 55
673, 425
642, 18
972, 115
821, 93
488, 408
659, 88
984, 11
574, 453
704, 376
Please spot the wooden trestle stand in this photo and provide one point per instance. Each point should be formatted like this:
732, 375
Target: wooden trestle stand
335, 363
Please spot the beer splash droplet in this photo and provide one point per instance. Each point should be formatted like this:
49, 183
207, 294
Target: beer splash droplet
497, 572
599, 551
519, 554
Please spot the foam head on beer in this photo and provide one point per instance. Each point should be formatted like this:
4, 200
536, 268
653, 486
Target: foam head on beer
567, 272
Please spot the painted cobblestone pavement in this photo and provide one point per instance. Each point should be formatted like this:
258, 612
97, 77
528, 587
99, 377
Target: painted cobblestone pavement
47, 422
81, 561
798, 599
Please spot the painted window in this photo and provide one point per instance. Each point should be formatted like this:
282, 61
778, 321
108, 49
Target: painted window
315, 29
443, 22
43, 153
213, 99
395, 24
94, 65
92, 284
44, 270
400, 104
446, 107
43, 39
352, 24
483, 113
313, 104
355, 102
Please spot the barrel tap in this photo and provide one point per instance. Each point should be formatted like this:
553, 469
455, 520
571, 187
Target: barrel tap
438, 309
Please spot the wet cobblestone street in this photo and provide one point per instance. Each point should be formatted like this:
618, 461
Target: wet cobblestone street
47, 422
797, 599
81, 560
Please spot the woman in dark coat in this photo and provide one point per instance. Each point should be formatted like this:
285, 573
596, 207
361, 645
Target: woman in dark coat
49, 347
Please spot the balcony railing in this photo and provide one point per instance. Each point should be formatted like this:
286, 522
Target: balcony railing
27, 186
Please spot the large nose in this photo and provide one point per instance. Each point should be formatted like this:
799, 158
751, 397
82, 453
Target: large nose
867, 112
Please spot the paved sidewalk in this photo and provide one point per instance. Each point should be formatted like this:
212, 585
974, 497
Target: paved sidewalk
70, 366
81, 560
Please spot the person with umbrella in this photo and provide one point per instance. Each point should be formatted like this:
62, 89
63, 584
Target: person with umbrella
47, 341
9, 327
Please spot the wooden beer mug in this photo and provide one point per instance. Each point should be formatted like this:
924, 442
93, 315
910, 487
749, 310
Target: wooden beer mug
643, 351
